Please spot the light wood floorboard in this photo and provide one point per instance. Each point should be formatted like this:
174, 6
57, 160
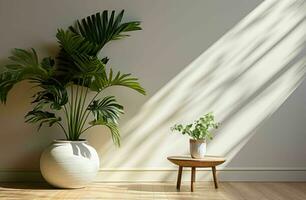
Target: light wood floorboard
160, 191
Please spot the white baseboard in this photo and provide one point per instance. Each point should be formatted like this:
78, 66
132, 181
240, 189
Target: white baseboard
170, 174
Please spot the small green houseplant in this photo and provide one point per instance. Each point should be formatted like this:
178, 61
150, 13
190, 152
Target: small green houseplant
199, 131
65, 86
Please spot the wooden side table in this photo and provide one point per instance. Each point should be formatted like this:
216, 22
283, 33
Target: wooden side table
187, 161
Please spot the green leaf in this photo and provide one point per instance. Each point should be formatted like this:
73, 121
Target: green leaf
24, 66
48, 64
101, 28
112, 127
41, 117
7, 81
73, 43
25, 58
76, 56
107, 109
53, 94
118, 80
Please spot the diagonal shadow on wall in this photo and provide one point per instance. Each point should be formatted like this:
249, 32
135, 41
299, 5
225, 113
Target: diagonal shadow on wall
244, 77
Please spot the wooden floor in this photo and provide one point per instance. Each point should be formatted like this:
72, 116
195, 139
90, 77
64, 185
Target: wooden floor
203, 190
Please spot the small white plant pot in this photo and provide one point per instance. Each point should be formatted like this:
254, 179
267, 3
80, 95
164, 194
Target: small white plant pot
69, 164
197, 148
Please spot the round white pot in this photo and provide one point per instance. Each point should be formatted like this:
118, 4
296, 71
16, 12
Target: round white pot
69, 164
197, 148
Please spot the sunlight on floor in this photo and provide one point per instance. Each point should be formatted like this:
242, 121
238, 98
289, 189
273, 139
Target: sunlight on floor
203, 190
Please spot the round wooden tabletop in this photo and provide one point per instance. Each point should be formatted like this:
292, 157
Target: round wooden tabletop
187, 161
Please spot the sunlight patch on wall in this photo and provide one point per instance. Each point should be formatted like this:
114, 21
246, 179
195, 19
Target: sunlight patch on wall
243, 78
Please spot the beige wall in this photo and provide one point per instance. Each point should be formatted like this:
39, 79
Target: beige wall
244, 77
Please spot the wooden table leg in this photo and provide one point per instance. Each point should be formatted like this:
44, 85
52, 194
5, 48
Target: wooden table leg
193, 172
179, 178
215, 176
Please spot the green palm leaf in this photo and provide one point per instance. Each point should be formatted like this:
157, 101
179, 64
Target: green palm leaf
119, 79
23, 59
25, 65
101, 28
7, 81
125, 80
106, 113
112, 127
107, 109
42, 117
48, 65
73, 43
73, 48
53, 94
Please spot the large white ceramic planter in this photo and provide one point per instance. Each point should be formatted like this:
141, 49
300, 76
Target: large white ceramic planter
69, 164
197, 148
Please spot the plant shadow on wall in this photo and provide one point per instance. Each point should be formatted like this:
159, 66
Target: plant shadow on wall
64, 86
243, 78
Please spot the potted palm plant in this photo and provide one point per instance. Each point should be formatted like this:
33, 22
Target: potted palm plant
64, 95
200, 132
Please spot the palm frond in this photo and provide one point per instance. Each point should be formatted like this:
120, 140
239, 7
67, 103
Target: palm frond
24, 58
125, 80
7, 81
89, 66
26, 63
24, 66
107, 109
48, 64
101, 28
106, 113
73, 43
119, 79
41, 117
75, 56
53, 94
112, 127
